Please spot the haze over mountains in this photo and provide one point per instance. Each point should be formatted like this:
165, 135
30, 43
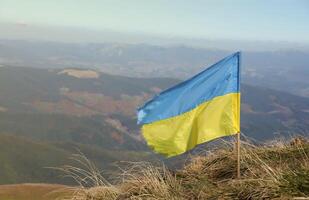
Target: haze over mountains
37, 32
285, 70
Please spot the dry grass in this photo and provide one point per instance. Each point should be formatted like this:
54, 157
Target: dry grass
276, 171
144, 181
32, 191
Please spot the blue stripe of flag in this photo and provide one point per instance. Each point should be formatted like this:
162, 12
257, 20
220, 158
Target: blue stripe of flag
219, 79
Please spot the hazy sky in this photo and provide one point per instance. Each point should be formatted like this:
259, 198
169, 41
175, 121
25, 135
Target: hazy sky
286, 20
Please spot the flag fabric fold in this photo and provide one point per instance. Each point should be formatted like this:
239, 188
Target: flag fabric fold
200, 109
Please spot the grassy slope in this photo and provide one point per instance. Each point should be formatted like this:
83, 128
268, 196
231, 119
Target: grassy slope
24, 160
57, 127
278, 171
32, 192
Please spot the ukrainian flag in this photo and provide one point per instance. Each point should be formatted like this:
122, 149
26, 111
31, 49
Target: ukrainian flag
200, 109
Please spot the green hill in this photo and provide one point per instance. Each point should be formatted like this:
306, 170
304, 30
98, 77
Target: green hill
25, 160
66, 128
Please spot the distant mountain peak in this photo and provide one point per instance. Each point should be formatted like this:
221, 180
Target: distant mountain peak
80, 73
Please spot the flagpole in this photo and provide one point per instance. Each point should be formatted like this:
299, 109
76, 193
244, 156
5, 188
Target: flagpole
238, 154
238, 134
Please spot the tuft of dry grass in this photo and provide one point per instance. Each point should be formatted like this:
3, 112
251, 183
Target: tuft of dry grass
92, 184
276, 171
145, 181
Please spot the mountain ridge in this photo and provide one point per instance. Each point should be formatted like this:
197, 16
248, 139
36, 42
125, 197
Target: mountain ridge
96, 114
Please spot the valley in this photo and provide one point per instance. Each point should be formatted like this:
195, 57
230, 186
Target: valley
48, 115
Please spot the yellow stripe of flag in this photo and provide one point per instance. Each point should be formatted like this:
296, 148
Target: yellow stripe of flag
198, 110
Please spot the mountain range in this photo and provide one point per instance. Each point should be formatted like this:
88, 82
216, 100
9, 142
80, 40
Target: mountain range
47, 114
286, 70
